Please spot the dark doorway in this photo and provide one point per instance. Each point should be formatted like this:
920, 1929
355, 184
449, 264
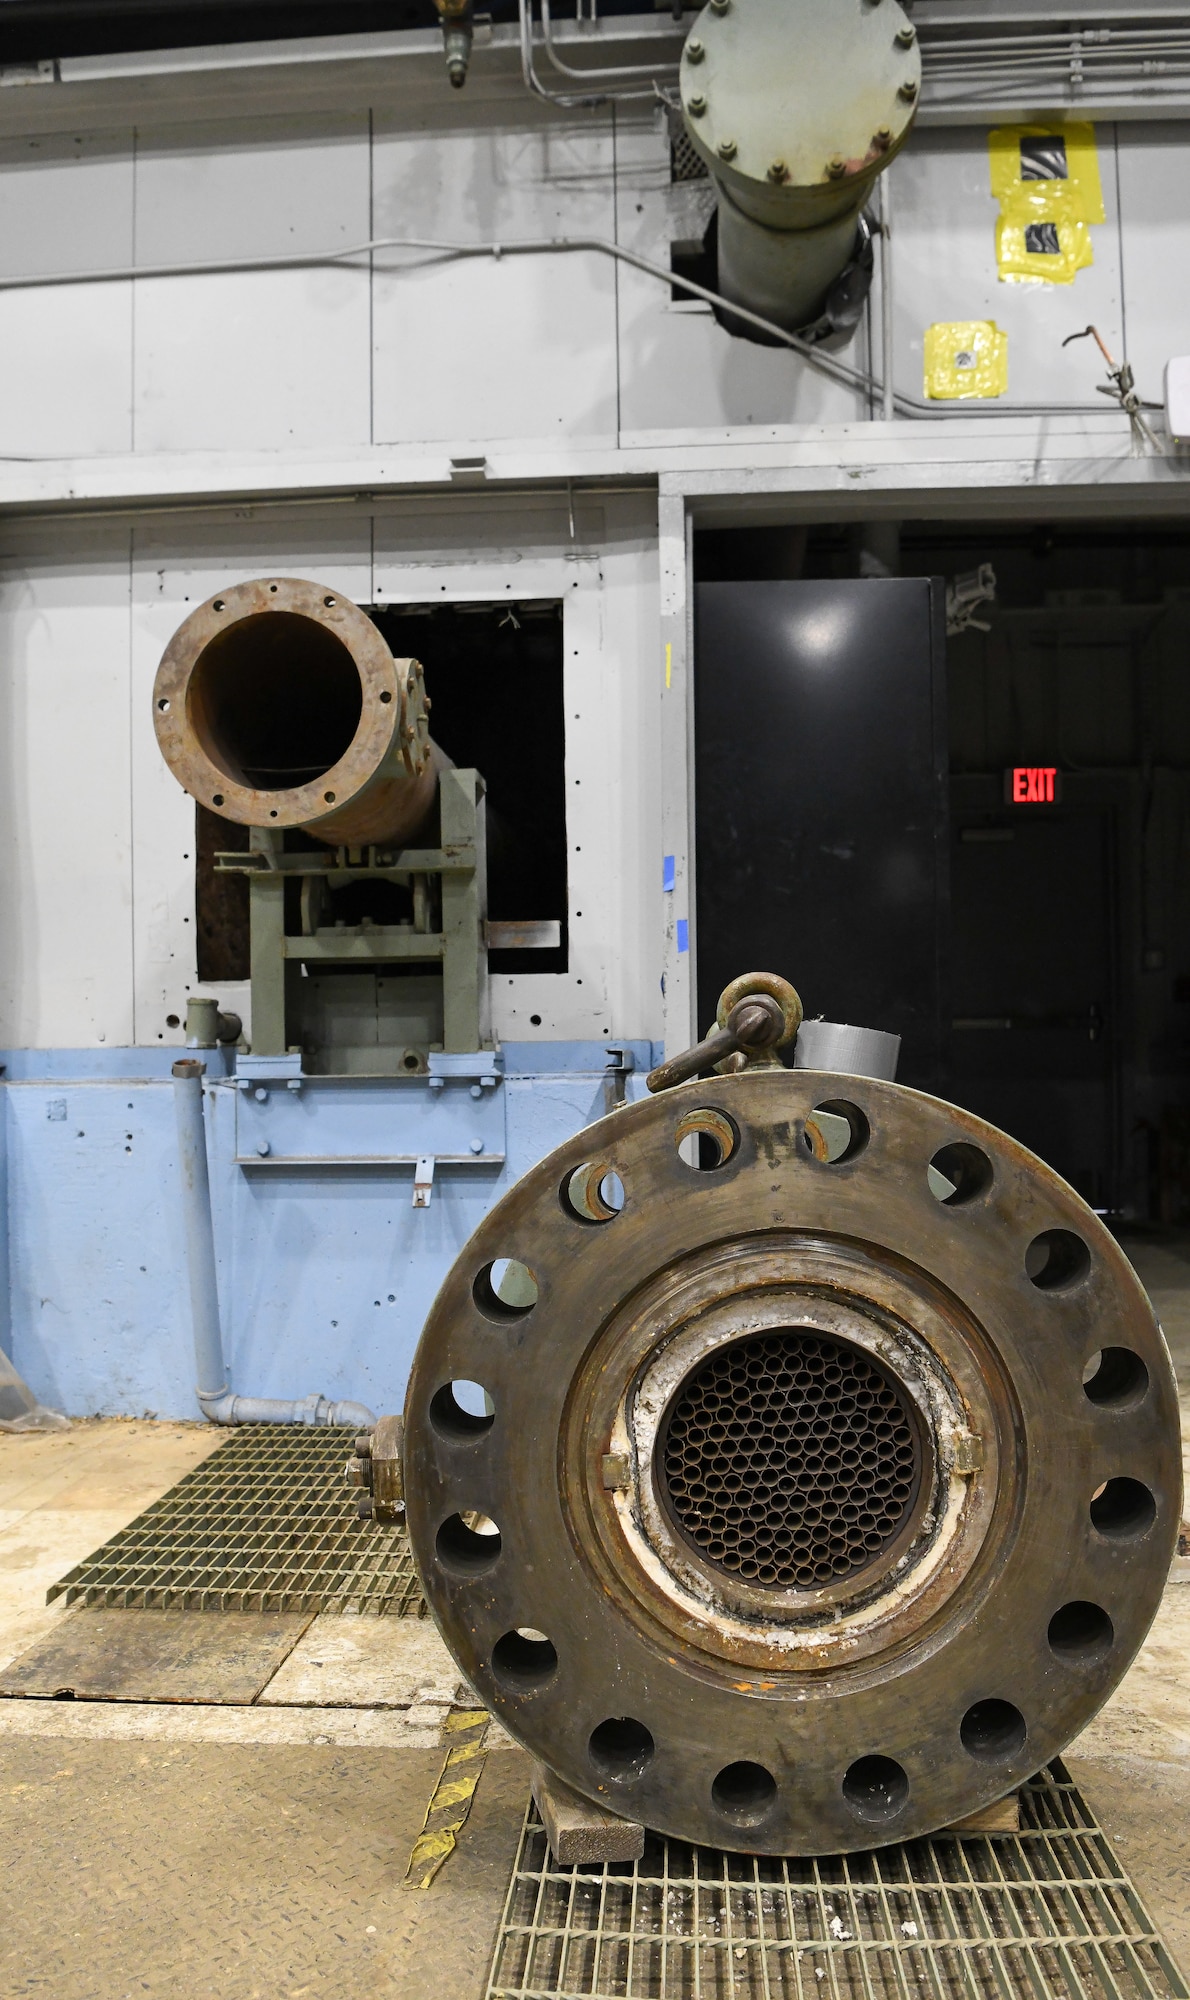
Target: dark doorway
820, 774
1075, 660
1036, 1017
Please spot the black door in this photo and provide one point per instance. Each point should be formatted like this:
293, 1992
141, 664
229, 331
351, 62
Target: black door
1033, 966
821, 801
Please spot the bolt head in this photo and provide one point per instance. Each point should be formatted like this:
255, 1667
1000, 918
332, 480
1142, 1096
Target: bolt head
837, 167
727, 149
906, 36
720, 6
696, 106
778, 171
882, 139
908, 91
695, 50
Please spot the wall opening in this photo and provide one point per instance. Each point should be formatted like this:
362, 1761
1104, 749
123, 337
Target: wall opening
494, 677
1067, 937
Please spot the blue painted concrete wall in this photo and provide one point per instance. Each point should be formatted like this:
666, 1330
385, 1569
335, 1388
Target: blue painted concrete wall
325, 1274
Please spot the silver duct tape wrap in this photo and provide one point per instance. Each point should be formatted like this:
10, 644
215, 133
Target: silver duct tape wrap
848, 1051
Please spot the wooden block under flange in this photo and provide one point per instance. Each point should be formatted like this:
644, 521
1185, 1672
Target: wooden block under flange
577, 1830
1002, 1817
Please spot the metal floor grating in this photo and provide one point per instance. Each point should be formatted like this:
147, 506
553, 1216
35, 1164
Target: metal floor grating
264, 1524
1046, 1914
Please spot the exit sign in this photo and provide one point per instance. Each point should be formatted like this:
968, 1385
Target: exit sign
1032, 785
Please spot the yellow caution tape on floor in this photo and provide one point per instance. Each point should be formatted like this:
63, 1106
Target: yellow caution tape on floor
1046, 179
451, 1799
965, 358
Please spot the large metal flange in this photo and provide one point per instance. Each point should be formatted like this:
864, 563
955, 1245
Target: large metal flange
803, 1501
354, 718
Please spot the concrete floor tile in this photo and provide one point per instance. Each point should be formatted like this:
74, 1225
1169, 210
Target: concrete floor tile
366, 1663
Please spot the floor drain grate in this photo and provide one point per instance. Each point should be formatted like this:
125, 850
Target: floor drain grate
264, 1524
1046, 1914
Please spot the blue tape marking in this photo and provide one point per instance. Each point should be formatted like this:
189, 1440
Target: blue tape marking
667, 872
683, 934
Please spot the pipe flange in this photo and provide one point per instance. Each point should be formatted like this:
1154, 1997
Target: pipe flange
806, 1647
278, 704
796, 105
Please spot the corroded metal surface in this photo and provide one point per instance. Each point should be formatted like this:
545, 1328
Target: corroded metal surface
732, 1704
277, 704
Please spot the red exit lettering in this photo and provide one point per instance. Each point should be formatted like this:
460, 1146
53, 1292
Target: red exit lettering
1034, 784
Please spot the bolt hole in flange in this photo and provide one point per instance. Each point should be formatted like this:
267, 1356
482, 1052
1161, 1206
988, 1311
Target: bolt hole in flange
1123, 1509
1115, 1378
743, 1792
1056, 1259
594, 1192
505, 1289
621, 1748
524, 1659
835, 1132
1081, 1634
993, 1730
706, 1138
462, 1410
468, 1545
876, 1788
959, 1173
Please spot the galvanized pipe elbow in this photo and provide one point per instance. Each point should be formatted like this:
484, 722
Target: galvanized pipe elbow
796, 106
277, 704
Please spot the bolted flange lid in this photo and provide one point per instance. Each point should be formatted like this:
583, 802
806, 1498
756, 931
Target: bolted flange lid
799, 93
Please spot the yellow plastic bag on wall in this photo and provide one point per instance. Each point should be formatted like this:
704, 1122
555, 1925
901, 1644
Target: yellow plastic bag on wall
1046, 179
965, 358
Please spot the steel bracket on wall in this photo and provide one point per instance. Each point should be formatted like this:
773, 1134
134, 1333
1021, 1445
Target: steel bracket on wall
454, 1117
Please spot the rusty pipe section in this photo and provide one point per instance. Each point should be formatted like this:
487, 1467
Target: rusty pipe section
277, 704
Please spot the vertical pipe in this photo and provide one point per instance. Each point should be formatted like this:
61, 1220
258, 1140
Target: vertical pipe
886, 298
211, 1374
212, 1388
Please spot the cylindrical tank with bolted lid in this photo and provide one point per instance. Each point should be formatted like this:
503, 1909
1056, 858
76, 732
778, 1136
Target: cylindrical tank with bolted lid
796, 106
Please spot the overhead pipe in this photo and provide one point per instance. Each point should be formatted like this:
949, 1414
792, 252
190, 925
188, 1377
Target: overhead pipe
215, 1397
277, 704
797, 107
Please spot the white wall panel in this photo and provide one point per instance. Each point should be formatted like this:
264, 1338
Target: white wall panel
944, 266
174, 570
66, 892
265, 360
520, 349
1155, 227
679, 370
66, 205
